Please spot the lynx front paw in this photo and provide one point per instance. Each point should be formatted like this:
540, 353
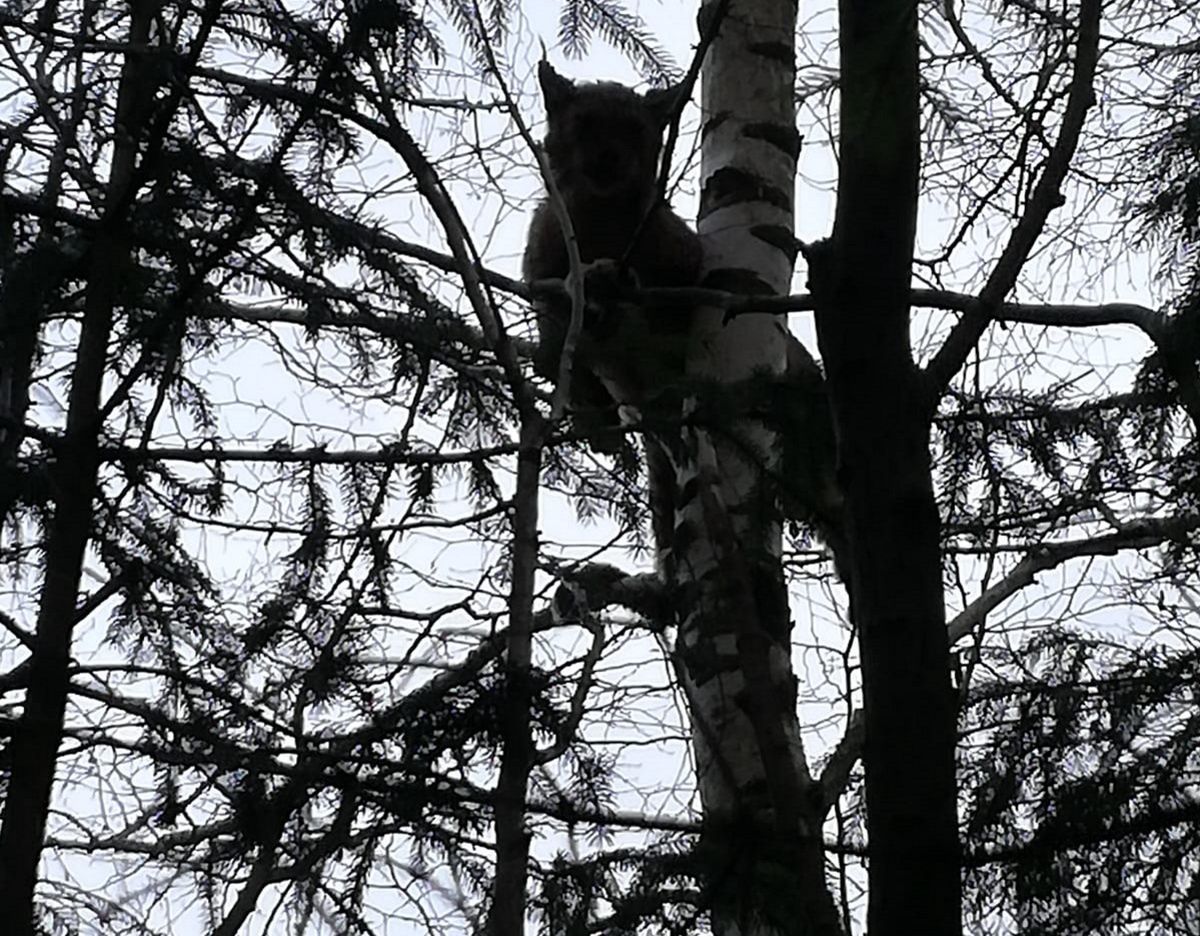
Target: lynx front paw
608, 288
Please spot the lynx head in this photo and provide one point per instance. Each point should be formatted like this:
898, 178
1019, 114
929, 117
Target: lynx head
603, 139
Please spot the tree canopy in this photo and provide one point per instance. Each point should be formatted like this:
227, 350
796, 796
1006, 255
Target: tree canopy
273, 539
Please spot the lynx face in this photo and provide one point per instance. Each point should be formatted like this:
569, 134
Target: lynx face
603, 140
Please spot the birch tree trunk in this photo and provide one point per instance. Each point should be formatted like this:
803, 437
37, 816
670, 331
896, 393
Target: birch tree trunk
762, 812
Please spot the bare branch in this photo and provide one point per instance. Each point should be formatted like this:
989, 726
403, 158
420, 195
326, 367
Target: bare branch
1139, 534
567, 731
1065, 315
1142, 534
1047, 195
384, 455
836, 773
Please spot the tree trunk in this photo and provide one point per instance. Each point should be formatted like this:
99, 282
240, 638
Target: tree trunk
762, 848
34, 749
506, 916
884, 471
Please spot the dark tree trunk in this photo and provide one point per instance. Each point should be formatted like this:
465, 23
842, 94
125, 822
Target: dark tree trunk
507, 914
34, 749
861, 281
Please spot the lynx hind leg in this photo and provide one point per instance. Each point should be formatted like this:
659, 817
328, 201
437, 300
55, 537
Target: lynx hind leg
593, 410
661, 480
552, 335
594, 413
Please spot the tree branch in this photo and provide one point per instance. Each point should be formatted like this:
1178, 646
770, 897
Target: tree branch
1047, 195
1141, 534
1064, 315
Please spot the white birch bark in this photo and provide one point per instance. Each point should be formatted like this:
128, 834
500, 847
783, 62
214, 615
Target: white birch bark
762, 815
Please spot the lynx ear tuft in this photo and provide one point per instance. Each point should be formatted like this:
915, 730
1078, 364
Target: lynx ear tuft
557, 91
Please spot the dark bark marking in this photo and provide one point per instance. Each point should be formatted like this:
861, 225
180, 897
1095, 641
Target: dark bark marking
785, 138
779, 236
730, 185
778, 51
737, 280
715, 121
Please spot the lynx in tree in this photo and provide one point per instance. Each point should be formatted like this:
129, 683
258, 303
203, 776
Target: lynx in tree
603, 142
